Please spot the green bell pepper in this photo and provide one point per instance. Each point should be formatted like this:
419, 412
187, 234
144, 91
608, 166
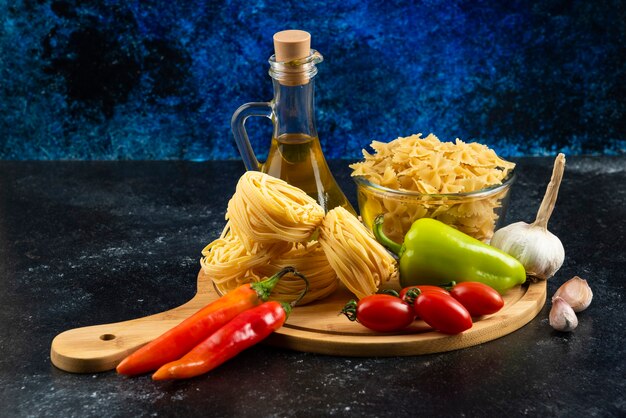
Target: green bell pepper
436, 253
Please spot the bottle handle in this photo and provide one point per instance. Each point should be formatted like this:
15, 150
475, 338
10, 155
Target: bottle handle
237, 124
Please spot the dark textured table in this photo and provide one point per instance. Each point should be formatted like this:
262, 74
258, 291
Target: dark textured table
83, 243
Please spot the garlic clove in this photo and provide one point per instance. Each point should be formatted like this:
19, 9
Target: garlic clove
562, 316
576, 292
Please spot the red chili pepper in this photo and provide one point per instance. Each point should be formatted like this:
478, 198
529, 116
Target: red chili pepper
174, 343
478, 298
245, 330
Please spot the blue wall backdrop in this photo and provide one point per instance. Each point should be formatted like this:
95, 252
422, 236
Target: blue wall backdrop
159, 79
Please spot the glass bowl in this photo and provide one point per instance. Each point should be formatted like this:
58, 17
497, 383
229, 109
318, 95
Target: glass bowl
478, 213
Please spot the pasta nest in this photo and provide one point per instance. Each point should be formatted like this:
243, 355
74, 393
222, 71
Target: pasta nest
271, 225
229, 265
361, 263
265, 210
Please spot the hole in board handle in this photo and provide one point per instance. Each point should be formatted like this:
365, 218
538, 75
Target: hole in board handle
107, 337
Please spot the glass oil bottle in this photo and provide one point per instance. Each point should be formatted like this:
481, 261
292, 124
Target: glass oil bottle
295, 153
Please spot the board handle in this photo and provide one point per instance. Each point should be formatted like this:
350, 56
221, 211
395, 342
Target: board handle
100, 348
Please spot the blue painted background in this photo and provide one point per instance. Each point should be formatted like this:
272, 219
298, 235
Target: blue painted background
160, 79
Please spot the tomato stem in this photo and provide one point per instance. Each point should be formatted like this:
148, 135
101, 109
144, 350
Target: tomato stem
390, 292
411, 295
448, 286
349, 310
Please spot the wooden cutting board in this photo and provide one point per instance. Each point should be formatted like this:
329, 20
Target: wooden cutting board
315, 328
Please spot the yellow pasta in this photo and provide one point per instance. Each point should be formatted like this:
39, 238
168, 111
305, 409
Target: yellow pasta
310, 260
265, 210
270, 225
361, 263
227, 262
268, 219
229, 265
428, 167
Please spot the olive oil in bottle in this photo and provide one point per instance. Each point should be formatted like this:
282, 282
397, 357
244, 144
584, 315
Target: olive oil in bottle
295, 153
298, 159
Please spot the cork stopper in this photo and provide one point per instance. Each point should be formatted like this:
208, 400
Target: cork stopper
291, 45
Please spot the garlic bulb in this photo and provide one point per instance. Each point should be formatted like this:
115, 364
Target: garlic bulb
540, 252
576, 292
562, 316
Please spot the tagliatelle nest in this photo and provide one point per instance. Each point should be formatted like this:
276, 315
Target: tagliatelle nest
361, 263
308, 259
270, 227
265, 210
229, 265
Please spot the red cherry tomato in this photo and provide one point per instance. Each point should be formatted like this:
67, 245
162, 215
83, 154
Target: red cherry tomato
424, 288
443, 312
384, 313
478, 298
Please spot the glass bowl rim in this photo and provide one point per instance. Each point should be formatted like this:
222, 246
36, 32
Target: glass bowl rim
487, 191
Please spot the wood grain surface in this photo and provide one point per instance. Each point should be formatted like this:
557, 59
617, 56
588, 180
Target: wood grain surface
315, 328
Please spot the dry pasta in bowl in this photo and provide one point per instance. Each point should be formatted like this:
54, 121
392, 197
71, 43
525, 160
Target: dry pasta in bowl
465, 185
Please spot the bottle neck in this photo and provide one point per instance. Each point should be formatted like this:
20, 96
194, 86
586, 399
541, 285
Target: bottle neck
294, 109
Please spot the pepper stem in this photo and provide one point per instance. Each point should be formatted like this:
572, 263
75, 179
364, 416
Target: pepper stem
377, 228
288, 307
306, 288
264, 288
